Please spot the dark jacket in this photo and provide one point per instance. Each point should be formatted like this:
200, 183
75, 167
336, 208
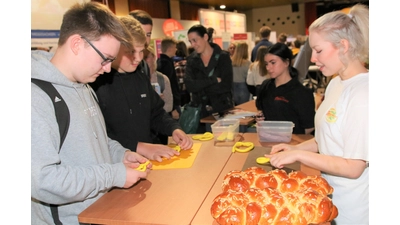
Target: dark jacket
263, 42
166, 66
288, 102
202, 81
132, 108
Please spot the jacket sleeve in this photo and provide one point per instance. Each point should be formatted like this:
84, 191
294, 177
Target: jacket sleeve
196, 79
223, 70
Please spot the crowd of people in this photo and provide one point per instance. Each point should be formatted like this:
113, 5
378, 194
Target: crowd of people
124, 103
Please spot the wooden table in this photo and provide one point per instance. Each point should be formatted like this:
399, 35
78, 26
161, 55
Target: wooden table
170, 196
244, 122
175, 196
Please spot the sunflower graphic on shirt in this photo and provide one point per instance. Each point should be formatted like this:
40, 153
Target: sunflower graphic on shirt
330, 116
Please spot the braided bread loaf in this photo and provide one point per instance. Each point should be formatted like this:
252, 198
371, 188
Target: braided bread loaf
255, 196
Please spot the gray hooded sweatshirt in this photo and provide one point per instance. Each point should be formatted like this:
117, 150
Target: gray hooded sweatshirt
88, 164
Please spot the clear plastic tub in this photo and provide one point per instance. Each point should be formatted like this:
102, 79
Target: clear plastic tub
225, 129
274, 131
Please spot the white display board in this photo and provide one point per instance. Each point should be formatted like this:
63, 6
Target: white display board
48, 14
214, 19
46, 19
235, 22
223, 21
181, 35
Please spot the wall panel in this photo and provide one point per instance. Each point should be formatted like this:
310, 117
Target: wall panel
110, 3
156, 8
190, 11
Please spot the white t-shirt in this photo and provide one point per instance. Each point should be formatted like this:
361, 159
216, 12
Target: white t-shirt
253, 75
342, 130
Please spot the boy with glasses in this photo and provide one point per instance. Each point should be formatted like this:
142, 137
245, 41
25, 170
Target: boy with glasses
65, 180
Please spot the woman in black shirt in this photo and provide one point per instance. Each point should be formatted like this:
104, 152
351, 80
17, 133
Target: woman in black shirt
283, 97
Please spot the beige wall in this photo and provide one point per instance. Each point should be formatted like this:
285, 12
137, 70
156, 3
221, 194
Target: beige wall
121, 7
272, 13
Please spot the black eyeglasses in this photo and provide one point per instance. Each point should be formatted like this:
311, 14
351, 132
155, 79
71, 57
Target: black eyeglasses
105, 60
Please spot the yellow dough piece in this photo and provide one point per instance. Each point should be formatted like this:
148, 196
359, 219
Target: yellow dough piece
238, 146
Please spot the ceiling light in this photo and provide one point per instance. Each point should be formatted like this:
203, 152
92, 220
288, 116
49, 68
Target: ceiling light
222, 6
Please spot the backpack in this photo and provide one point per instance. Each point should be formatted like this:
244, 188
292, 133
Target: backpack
161, 82
62, 115
60, 107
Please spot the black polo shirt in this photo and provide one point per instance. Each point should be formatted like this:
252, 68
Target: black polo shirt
289, 102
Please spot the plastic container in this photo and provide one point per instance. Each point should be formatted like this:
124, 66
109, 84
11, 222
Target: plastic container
274, 131
225, 129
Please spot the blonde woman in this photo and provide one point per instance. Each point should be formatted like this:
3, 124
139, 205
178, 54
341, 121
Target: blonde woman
240, 66
231, 49
340, 149
257, 72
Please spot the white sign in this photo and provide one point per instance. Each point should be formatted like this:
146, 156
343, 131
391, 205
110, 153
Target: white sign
181, 35
226, 37
214, 19
223, 21
235, 22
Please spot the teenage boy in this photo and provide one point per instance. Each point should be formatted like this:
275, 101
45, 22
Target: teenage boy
66, 180
133, 110
166, 65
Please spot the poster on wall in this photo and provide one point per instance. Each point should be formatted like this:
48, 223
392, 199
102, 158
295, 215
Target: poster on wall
46, 19
171, 25
214, 19
181, 35
235, 22
223, 21
44, 39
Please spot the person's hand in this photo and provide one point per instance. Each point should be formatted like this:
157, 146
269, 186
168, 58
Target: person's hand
260, 116
218, 79
131, 161
162, 96
175, 114
281, 147
282, 158
182, 139
156, 151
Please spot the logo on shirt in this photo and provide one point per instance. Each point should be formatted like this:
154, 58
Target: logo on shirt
330, 116
143, 95
57, 99
281, 98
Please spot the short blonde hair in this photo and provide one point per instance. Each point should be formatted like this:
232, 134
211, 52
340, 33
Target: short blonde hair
135, 28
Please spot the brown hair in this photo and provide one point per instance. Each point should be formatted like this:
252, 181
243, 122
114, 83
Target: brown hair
92, 20
282, 37
265, 31
166, 42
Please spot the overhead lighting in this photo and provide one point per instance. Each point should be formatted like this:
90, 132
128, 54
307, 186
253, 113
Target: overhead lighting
222, 6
